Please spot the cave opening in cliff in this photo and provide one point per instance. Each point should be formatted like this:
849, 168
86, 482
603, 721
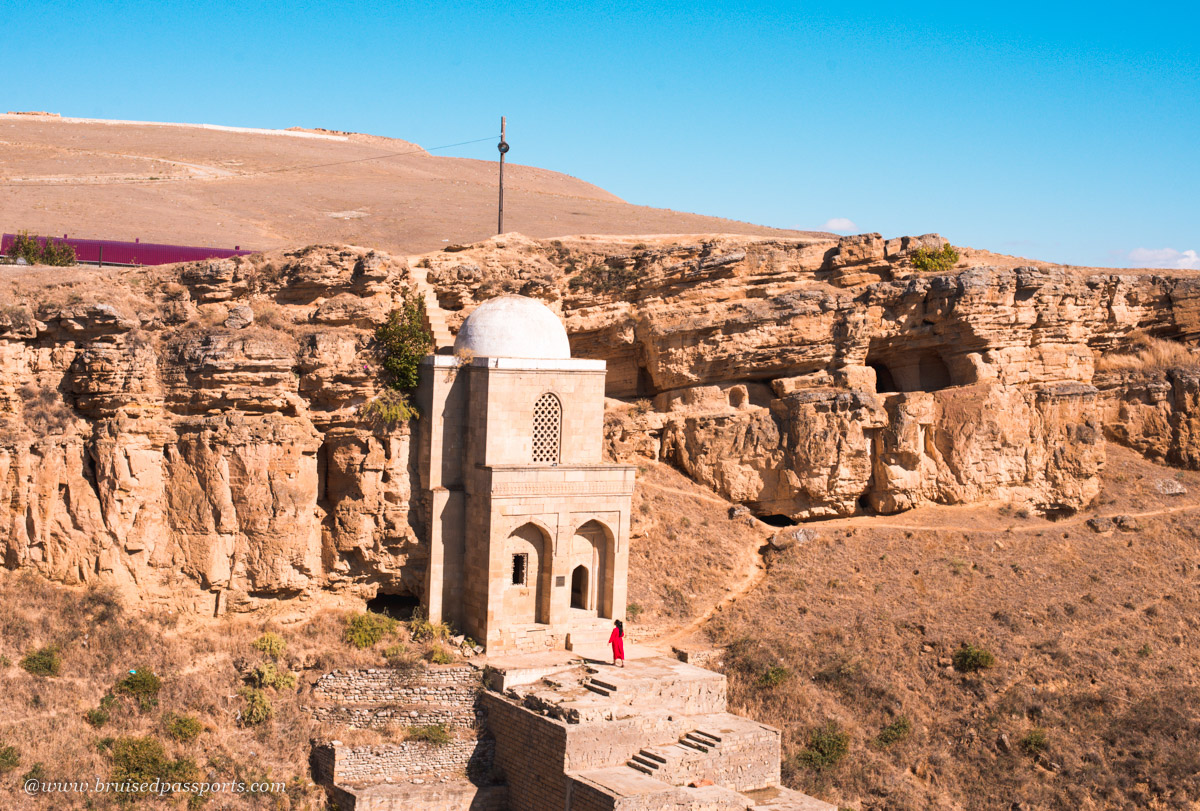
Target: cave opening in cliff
900, 368
777, 520
396, 606
884, 384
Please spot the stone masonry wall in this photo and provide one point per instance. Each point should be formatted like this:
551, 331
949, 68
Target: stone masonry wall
427, 797
530, 749
337, 763
381, 697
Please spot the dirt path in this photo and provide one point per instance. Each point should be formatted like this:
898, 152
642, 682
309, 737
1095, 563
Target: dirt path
757, 569
754, 575
698, 496
870, 522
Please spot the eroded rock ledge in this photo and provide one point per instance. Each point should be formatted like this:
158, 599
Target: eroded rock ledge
193, 434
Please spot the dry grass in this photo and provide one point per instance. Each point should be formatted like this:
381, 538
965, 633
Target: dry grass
1093, 636
201, 665
44, 410
688, 534
1150, 354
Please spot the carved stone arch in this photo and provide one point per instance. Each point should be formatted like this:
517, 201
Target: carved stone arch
593, 549
518, 521
526, 558
579, 520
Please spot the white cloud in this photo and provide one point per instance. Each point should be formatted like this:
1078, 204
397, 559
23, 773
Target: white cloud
839, 224
1164, 258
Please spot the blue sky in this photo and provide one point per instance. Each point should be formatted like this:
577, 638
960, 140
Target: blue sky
1066, 133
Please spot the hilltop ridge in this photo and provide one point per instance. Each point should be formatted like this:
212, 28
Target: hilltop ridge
268, 189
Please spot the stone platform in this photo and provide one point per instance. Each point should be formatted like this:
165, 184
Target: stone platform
653, 735
565, 733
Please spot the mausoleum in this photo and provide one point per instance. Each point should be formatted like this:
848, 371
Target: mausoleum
528, 525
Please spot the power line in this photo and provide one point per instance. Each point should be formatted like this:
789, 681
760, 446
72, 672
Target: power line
135, 182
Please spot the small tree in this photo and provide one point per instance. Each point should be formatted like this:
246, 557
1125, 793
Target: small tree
403, 341
35, 251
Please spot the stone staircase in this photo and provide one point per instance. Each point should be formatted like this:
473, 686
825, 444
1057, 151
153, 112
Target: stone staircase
435, 316
724, 748
652, 758
600, 687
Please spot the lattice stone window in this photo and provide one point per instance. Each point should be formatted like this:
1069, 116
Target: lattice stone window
520, 570
547, 420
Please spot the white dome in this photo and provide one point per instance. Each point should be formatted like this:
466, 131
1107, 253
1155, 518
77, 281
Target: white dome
513, 327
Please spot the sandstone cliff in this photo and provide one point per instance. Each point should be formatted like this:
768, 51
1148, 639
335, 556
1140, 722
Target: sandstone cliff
812, 378
194, 432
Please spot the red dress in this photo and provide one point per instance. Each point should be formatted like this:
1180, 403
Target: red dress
618, 644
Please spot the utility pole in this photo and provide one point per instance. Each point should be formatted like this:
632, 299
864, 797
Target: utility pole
503, 147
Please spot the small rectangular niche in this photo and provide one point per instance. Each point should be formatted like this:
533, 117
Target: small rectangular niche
520, 569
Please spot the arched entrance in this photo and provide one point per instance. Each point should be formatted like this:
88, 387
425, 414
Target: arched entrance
579, 587
591, 569
525, 560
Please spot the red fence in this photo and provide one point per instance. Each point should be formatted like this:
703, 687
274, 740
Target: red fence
111, 252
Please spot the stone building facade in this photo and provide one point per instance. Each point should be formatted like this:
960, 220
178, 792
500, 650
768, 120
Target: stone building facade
528, 526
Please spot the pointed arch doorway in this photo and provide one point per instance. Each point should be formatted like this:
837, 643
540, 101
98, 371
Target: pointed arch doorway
579, 587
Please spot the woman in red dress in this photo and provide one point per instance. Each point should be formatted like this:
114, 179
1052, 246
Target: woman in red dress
617, 640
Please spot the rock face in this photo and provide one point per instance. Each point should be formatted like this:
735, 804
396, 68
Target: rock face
811, 379
194, 434
198, 440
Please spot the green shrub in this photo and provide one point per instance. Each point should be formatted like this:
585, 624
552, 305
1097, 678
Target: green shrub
939, 261
632, 612
968, 659
894, 732
43, 662
258, 706
10, 758
143, 760
403, 341
438, 655
268, 675
1035, 742
97, 717
388, 408
36, 772
35, 252
365, 630
5, 661
183, 728
422, 630
141, 685
826, 747
774, 676
436, 734
271, 644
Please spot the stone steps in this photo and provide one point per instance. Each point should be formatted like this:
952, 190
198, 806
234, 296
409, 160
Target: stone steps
651, 759
435, 316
